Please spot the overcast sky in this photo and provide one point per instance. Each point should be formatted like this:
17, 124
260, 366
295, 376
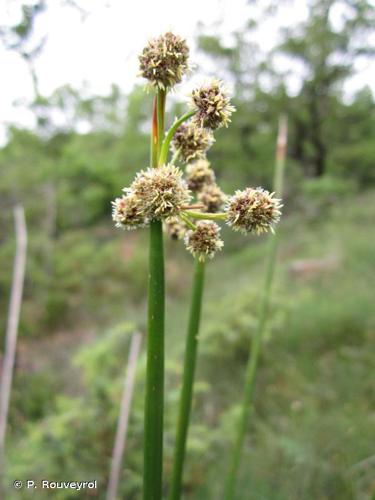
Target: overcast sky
101, 48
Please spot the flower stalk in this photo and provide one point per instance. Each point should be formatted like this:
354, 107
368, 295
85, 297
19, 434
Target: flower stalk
154, 400
187, 221
169, 136
229, 491
188, 379
204, 215
175, 157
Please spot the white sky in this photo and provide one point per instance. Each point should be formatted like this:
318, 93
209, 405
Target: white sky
103, 48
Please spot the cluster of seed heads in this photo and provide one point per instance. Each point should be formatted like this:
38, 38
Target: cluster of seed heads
162, 193
253, 210
191, 142
199, 174
154, 194
204, 241
212, 105
128, 213
163, 190
212, 198
164, 61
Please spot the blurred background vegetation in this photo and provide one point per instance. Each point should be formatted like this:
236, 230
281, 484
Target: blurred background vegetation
312, 436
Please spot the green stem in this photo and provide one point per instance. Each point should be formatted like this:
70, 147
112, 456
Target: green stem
188, 380
187, 221
175, 156
161, 117
169, 136
247, 401
208, 216
154, 134
154, 401
278, 179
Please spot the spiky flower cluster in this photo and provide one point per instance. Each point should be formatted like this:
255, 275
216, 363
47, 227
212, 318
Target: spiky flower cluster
192, 142
253, 210
205, 240
212, 104
164, 61
212, 197
155, 193
162, 191
175, 228
199, 174
128, 212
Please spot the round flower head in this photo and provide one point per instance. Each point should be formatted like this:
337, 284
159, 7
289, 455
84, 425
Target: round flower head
205, 240
162, 191
163, 61
213, 198
212, 105
253, 210
199, 175
127, 212
175, 228
191, 141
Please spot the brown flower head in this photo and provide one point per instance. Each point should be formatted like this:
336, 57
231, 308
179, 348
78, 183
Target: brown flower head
212, 197
212, 105
191, 141
199, 174
253, 210
205, 240
162, 191
164, 60
128, 213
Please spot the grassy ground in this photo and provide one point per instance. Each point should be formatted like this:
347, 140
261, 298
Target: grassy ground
312, 435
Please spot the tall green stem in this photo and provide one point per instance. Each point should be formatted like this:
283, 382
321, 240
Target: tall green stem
154, 402
188, 380
229, 492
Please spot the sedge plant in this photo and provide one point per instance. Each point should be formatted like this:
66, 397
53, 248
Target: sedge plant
247, 401
188, 203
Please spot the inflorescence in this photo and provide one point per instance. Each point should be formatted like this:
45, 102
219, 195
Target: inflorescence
164, 61
163, 193
204, 240
212, 105
253, 210
212, 198
191, 142
199, 175
127, 212
154, 194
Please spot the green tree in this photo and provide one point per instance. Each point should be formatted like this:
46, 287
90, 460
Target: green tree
321, 53
327, 45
